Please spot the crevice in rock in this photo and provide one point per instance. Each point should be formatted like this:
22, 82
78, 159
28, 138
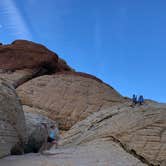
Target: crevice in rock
105, 118
37, 73
161, 132
132, 152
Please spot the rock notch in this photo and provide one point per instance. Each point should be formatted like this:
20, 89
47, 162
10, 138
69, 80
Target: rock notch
23, 60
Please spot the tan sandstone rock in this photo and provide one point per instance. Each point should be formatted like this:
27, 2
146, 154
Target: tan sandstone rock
102, 152
140, 130
12, 121
68, 97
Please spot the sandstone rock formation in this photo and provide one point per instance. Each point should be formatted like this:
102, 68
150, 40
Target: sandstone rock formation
18, 77
12, 122
37, 132
34, 119
140, 130
102, 152
68, 97
23, 54
107, 129
23, 60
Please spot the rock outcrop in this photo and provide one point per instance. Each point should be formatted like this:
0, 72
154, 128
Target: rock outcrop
23, 60
104, 127
12, 121
34, 119
37, 129
68, 97
102, 152
22, 54
140, 130
18, 77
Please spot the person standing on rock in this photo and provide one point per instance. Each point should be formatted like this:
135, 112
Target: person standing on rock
134, 99
141, 100
53, 136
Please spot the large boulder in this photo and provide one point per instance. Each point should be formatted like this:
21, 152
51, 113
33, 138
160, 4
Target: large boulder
37, 129
12, 121
23, 60
139, 130
68, 97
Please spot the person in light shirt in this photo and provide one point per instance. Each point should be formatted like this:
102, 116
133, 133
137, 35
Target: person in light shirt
53, 135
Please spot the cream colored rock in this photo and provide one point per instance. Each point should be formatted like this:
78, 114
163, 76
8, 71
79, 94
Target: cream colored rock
141, 130
102, 152
68, 98
12, 121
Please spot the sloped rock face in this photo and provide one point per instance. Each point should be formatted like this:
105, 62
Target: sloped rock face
102, 152
23, 60
67, 97
141, 130
12, 122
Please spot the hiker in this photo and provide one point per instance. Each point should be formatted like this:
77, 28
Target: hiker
140, 99
134, 99
53, 135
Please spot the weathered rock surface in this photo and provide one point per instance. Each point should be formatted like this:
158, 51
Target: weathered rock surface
22, 54
37, 133
23, 60
12, 122
107, 129
140, 130
103, 152
18, 77
68, 97
34, 119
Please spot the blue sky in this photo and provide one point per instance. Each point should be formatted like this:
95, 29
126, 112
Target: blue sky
123, 42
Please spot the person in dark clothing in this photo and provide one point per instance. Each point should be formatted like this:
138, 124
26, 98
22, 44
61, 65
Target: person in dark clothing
141, 100
134, 99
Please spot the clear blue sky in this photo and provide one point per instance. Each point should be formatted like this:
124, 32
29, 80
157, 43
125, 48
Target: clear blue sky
123, 42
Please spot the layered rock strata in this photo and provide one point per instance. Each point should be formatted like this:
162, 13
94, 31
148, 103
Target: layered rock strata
68, 97
140, 130
23, 60
12, 121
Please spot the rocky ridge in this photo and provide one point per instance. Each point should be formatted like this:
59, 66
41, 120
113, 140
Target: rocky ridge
103, 127
23, 60
140, 130
68, 97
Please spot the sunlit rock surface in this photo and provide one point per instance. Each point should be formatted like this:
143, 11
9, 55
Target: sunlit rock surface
67, 97
141, 130
103, 152
12, 121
